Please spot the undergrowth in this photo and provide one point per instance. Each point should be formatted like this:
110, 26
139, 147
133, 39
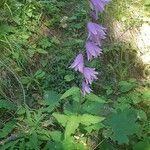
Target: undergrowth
38, 107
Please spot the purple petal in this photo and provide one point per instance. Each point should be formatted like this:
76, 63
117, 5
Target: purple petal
89, 74
96, 32
78, 63
92, 50
85, 88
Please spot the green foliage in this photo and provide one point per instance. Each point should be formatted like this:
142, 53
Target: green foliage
38, 41
122, 124
7, 129
4, 104
143, 145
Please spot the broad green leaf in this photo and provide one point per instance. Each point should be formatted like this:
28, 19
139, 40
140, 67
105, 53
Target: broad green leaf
95, 127
88, 119
70, 144
56, 136
51, 99
123, 124
72, 125
94, 108
74, 91
62, 119
53, 145
106, 146
95, 98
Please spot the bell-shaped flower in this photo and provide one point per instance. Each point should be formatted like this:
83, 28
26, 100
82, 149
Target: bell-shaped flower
89, 74
78, 63
98, 6
92, 50
85, 88
96, 32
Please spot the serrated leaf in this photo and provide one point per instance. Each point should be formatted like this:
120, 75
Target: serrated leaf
51, 99
88, 119
95, 127
62, 119
72, 125
74, 91
123, 124
95, 98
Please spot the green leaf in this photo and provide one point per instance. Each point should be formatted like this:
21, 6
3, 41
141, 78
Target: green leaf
7, 129
146, 94
107, 146
10, 145
95, 98
94, 108
39, 74
123, 124
95, 127
143, 145
141, 115
56, 136
51, 99
7, 105
74, 92
53, 145
72, 125
69, 78
62, 119
88, 119
125, 86
70, 144
33, 142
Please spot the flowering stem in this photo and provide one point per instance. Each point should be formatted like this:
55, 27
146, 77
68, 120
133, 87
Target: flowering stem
79, 105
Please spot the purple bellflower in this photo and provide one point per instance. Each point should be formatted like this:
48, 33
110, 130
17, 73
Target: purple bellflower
98, 6
78, 63
85, 88
89, 74
96, 32
92, 50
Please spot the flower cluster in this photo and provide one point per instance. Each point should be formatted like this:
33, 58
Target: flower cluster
96, 33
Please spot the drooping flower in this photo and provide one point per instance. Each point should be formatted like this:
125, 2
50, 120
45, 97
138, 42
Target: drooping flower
85, 88
78, 63
98, 6
89, 74
92, 50
96, 32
